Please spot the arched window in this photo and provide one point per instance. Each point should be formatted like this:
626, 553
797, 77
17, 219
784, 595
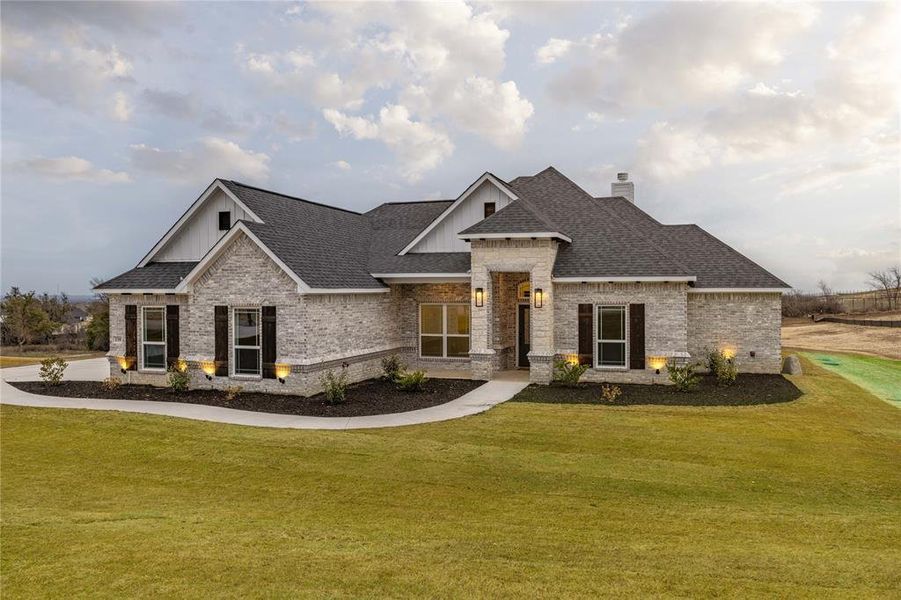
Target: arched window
523, 291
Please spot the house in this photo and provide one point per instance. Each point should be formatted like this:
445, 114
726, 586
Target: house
271, 291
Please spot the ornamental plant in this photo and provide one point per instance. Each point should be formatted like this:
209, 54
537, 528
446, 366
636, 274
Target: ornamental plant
392, 367
568, 372
335, 386
411, 381
683, 377
52, 370
179, 380
610, 392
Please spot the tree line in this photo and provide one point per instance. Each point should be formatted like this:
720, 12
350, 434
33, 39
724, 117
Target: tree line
887, 283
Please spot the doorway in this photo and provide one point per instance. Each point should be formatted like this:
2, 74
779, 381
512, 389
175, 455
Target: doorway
523, 335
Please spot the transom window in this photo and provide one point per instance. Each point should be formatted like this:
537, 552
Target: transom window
524, 291
611, 324
444, 330
153, 337
247, 341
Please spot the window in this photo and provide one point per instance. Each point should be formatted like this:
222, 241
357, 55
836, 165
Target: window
153, 337
444, 330
524, 291
489, 209
611, 323
225, 220
247, 341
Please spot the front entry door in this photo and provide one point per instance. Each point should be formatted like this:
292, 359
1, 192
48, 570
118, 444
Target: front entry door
522, 336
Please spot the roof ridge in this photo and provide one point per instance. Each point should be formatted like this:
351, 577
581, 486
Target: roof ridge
274, 193
733, 250
413, 202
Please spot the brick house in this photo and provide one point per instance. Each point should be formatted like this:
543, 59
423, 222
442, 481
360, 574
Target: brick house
268, 290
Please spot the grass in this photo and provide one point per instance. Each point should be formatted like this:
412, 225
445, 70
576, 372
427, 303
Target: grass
794, 500
13, 358
880, 376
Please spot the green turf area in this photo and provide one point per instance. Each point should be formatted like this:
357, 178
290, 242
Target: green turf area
879, 376
801, 499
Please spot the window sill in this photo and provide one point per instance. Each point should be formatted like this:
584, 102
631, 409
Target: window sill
454, 358
153, 371
245, 377
609, 368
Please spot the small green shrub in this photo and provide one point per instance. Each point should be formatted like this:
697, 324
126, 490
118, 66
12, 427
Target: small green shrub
335, 386
567, 372
52, 370
714, 358
611, 392
411, 381
392, 367
179, 380
726, 372
111, 384
233, 391
684, 376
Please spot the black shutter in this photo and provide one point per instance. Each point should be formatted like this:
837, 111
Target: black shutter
221, 342
636, 336
172, 335
131, 336
586, 339
268, 342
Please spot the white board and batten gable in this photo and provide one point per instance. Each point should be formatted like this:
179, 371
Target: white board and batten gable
466, 211
198, 229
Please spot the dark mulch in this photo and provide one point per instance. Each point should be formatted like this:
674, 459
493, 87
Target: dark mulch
748, 389
372, 397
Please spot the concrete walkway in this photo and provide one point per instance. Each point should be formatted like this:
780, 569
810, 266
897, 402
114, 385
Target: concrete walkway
474, 402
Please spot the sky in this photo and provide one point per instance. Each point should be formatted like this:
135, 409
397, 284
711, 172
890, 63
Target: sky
773, 126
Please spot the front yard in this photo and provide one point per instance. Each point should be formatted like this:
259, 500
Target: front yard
800, 498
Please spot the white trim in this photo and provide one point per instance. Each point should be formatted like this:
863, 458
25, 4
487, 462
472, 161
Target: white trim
598, 340
485, 177
258, 347
514, 236
444, 334
637, 279
216, 185
165, 343
738, 290
135, 291
422, 277
518, 326
345, 291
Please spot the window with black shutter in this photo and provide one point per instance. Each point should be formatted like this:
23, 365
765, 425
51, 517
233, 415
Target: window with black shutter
268, 342
221, 340
586, 336
489, 209
172, 335
225, 220
636, 336
131, 336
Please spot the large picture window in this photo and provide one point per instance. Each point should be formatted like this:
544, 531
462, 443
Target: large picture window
444, 330
611, 323
153, 337
247, 341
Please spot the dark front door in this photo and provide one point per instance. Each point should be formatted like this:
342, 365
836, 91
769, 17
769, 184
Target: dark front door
522, 336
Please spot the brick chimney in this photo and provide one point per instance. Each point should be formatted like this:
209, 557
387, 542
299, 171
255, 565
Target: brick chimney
623, 187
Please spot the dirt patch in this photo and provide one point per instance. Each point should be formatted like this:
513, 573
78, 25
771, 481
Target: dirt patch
840, 337
373, 397
748, 389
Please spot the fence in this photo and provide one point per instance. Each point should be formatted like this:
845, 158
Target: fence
865, 301
866, 322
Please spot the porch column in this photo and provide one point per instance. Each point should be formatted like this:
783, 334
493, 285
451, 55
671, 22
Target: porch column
481, 354
542, 352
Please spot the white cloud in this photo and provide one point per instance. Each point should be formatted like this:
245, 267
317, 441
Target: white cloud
553, 49
211, 157
343, 165
72, 168
122, 108
418, 146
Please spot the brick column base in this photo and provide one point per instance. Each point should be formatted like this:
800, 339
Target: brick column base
541, 369
482, 364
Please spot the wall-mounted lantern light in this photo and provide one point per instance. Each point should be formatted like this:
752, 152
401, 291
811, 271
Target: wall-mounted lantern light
657, 363
209, 368
480, 296
124, 363
282, 371
539, 297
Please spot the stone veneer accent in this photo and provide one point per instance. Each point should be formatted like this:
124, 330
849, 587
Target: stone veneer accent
409, 297
743, 322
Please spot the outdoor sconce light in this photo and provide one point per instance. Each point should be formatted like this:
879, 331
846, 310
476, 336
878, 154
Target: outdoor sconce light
657, 363
282, 371
753, 353
209, 368
181, 365
480, 297
539, 297
728, 352
123, 363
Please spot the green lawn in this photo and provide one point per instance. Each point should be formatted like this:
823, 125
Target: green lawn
880, 376
790, 500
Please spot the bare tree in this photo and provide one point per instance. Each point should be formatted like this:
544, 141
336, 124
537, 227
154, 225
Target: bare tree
888, 282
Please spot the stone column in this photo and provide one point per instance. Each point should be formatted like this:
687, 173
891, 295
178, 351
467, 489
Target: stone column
481, 354
541, 354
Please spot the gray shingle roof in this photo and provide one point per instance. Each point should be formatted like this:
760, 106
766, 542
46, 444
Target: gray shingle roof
329, 247
152, 276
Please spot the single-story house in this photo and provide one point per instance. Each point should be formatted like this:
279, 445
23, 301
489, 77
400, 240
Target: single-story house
256, 288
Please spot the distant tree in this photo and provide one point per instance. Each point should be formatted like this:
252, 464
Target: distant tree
24, 319
889, 282
58, 310
97, 330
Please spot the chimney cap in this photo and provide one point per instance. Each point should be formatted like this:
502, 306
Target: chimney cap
622, 176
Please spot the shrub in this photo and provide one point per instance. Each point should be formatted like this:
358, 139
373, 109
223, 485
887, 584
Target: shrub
392, 367
335, 386
568, 373
611, 392
111, 384
411, 381
233, 391
726, 372
684, 377
714, 358
52, 370
179, 380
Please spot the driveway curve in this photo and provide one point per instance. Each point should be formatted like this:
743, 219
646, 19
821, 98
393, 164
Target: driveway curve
478, 400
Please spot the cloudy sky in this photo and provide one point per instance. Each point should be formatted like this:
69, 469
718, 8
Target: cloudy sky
775, 127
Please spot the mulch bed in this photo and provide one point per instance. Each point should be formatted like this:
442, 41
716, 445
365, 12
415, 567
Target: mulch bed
372, 397
748, 389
